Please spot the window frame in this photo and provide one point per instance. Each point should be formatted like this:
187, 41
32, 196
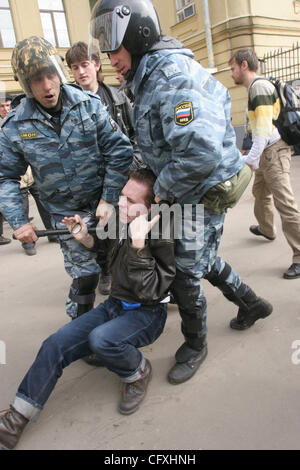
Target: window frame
43, 10
181, 11
2, 46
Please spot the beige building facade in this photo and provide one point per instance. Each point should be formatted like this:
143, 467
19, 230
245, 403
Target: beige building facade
62, 22
264, 25
212, 29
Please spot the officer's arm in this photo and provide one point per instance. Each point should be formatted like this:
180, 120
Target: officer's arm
12, 167
117, 152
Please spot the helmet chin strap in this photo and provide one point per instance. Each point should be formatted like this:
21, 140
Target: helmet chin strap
135, 62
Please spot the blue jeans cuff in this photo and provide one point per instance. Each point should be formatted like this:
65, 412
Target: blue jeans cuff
26, 407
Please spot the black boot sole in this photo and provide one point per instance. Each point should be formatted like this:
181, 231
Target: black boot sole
285, 276
254, 229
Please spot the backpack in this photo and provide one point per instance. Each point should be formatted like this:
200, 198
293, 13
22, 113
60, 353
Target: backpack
288, 121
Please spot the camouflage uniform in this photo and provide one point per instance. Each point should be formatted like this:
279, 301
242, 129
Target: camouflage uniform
89, 160
183, 127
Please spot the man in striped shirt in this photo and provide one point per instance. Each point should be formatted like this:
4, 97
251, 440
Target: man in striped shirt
269, 157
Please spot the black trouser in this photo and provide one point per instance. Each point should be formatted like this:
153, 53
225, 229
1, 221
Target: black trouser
45, 216
1, 224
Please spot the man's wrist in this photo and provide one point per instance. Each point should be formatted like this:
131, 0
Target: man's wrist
88, 241
138, 244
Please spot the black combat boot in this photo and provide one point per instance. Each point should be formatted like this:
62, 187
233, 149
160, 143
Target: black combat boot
188, 361
253, 309
12, 424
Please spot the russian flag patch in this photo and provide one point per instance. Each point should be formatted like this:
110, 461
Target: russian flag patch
184, 113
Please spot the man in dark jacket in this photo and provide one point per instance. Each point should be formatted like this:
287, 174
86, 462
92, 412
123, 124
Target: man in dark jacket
132, 317
87, 74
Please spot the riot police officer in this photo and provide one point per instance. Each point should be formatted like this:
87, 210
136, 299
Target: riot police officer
183, 128
79, 158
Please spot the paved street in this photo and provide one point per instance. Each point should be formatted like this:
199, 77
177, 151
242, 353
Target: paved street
245, 396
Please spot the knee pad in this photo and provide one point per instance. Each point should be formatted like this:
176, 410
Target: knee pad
193, 324
185, 290
218, 279
82, 290
192, 308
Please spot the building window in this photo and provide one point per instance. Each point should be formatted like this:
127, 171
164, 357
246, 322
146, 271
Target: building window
7, 33
184, 9
54, 22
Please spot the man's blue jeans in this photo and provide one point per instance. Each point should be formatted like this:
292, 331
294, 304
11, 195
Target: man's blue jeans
109, 331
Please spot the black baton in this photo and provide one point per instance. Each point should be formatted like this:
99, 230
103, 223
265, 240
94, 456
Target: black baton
47, 233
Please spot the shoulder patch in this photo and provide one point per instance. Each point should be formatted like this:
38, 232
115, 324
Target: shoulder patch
184, 113
113, 124
171, 70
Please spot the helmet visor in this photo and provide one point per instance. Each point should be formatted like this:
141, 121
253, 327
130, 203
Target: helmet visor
109, 28
51, 64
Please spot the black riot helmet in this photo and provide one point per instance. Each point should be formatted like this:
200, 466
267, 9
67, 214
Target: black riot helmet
131, 23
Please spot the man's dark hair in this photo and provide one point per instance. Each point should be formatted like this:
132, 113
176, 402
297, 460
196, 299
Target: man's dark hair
79, 52
147, 177
248, 55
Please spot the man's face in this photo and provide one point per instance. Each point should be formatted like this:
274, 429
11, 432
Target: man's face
132, 202
4, 108
237, 72
120, 60
45, 88
85, 74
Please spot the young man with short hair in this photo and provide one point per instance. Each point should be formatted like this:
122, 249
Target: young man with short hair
132, 317
86, 72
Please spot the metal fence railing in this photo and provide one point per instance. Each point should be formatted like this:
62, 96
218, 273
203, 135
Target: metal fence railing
283, 65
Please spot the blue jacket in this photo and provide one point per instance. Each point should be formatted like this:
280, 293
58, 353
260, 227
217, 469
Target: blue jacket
183, 125
89, 160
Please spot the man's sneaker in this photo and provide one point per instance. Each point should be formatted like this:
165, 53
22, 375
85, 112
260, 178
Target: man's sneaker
12, 424
104, 285
259, 309
254, 229
4, 241
188, 361
293, 272
132, 394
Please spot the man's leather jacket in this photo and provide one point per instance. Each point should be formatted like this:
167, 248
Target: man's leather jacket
143, 275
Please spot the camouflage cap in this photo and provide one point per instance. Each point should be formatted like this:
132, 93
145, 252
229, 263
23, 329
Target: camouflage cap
29, 55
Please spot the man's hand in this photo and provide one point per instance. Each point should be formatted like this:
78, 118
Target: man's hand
78, 228
157, 199
103, 212
251, 167
139, 228
26, 233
